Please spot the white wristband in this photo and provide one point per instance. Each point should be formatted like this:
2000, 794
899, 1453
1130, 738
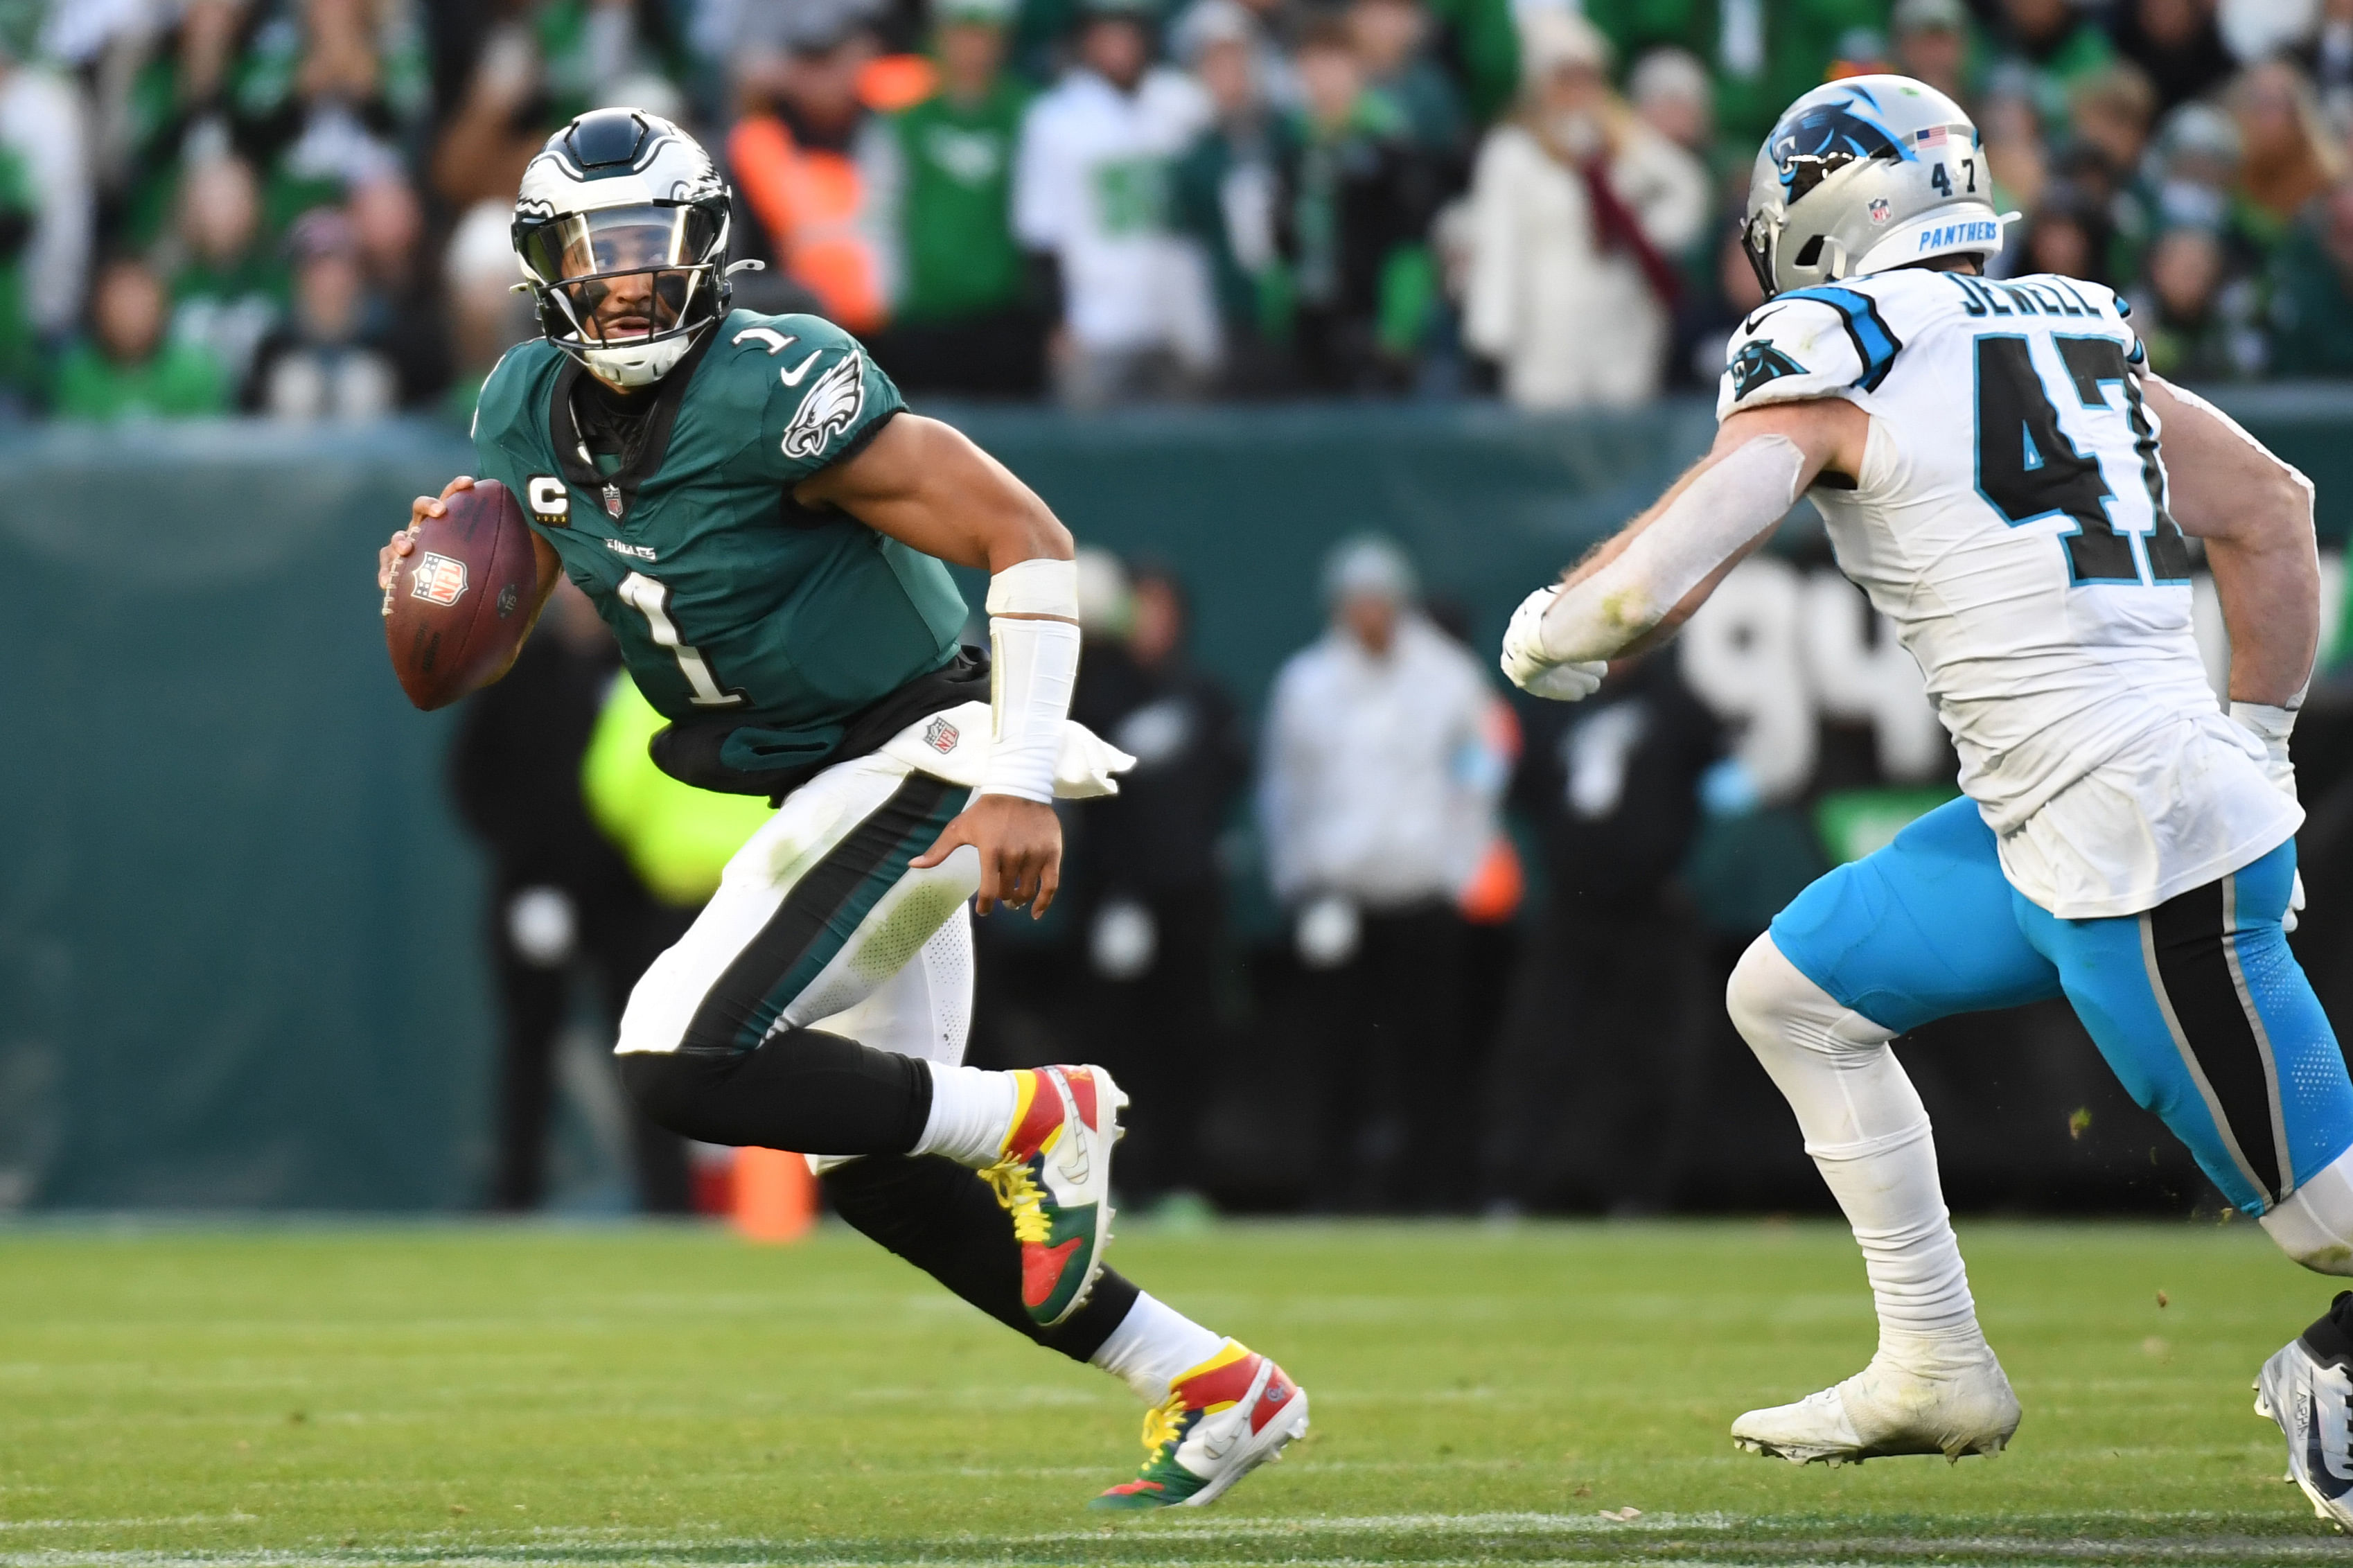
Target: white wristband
1032, 666
2271, 726
1036, 587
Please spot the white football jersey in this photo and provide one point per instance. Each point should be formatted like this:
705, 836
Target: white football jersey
2010, 522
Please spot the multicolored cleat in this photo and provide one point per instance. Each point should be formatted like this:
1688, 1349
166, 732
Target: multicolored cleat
1054, 1178
1221, 1420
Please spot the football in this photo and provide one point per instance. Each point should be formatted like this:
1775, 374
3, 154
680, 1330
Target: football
460, 601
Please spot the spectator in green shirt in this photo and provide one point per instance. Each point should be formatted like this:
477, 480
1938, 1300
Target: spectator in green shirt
1932, 43
230, 290
18, 214
939, 181
1224, 189
1358, 202
2197, 322
1764, 52
2312, 291
125, 368
1392, 40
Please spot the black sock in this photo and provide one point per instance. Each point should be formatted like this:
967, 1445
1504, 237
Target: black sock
2330, 1341
801, 1090
944, 1220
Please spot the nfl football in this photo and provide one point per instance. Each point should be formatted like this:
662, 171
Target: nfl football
459, 601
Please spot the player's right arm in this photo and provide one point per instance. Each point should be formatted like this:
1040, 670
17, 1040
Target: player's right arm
2254, 514
403, 541
1636, 588
1785, 415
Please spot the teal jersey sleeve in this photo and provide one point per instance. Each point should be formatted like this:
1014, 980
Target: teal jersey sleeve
824, 395
510, 412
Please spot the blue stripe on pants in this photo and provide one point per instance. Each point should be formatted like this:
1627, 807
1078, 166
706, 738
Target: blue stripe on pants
2200, 1008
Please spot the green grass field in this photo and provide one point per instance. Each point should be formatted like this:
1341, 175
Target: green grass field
501, 1396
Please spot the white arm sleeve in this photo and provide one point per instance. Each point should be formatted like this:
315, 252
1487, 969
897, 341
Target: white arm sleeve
1033, 665
1737, 498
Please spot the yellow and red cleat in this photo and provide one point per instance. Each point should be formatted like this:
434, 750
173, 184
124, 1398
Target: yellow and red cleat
1221, 1420
1054, 1178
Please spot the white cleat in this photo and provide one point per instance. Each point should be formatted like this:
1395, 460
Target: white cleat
2309, 1400
1950, 1405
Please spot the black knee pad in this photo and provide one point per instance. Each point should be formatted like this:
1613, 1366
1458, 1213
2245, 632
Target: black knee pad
802, 1089
669, 1086
944, 1220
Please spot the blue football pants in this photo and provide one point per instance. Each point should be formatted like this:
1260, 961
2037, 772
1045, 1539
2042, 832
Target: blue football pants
2198, 1004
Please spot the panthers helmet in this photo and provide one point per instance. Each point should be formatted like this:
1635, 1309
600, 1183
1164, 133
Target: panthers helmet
621, 232
1864, 175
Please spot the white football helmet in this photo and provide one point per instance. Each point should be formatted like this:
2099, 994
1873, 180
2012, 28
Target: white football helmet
1865, 175
621, 232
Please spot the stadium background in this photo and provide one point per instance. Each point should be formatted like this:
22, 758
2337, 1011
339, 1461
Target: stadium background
253, 264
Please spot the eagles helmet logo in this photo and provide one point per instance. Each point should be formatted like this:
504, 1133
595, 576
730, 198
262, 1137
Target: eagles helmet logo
1758, 363
827, 408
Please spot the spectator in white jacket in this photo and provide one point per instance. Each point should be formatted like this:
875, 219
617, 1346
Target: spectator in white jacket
1376, 804
1577, 209
1090, 200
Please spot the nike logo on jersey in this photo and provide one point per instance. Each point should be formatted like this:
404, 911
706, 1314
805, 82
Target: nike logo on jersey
1750, 324
793, 377
778, 342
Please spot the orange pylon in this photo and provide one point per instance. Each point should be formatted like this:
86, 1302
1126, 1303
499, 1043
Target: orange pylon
776, 1196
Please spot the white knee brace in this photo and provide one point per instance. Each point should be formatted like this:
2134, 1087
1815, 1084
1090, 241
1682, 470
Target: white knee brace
1868, 1134
2314, 1223
1797, 1030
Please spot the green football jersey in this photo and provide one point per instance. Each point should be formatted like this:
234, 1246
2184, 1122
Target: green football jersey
758, 623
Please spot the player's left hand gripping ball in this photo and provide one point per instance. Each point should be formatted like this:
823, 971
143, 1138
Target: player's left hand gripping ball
1534, 671
1054, 1179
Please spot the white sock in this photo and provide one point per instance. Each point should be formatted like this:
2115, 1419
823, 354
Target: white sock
1869, 1136
1152, 1346
971, 1110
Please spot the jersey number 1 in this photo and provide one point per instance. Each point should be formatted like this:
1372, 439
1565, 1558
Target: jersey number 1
2029, 469
651, 600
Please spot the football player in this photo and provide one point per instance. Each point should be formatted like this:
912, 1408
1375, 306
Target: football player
768, 530
2012, 488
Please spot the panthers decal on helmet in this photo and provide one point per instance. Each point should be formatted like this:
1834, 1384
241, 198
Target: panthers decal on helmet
1824, 137
829, 407
1757, 362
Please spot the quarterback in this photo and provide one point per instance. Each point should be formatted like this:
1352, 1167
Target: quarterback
2012, 488
766, 530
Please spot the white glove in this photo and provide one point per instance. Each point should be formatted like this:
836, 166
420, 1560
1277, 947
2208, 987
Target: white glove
2295, 903
1528, 667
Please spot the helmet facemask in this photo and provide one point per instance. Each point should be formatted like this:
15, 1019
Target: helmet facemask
625, 290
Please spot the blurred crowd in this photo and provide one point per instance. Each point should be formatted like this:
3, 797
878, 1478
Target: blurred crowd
299, 208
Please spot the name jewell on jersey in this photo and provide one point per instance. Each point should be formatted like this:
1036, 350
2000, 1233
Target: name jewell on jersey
2010, 521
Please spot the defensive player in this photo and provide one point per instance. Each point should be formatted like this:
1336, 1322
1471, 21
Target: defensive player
1988, 457
764, 525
